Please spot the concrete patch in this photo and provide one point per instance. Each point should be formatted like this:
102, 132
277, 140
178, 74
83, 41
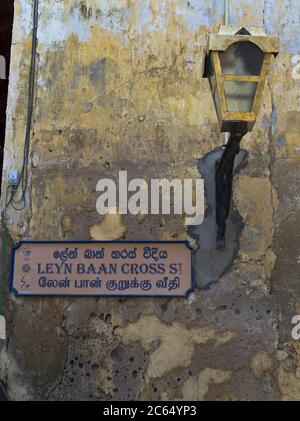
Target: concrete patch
111, 228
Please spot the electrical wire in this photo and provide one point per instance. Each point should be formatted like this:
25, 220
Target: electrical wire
20, 203
3, 229
3, 256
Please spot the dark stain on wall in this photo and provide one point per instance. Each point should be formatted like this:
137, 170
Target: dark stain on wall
211, 264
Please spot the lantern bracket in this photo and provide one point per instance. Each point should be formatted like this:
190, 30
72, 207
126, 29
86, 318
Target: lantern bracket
223, 180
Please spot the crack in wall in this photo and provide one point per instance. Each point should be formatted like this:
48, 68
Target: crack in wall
64, 329
271, 162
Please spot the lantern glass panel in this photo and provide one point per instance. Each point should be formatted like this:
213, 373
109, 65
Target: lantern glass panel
240, 95
213, 86
242, 58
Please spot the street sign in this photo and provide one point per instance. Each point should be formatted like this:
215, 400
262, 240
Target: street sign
102, 268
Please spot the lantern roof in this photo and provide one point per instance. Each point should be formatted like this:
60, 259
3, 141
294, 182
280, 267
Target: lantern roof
229, 35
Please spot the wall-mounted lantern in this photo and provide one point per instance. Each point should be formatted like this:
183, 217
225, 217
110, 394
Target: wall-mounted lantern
236, 64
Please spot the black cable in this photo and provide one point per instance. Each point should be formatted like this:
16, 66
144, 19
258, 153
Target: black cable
23, 179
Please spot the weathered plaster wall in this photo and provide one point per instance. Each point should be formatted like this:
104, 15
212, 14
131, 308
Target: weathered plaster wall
119, 86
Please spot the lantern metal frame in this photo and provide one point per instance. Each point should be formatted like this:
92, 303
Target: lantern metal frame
219, 43
236, 123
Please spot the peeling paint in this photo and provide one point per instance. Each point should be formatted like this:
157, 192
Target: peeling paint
176, 343
119, 87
